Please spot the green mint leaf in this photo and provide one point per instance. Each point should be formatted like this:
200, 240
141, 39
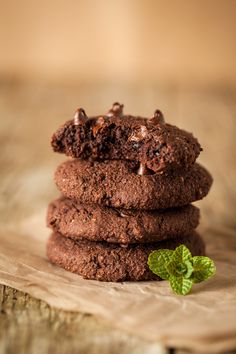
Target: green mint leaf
203, 268
171, 268
182, 254
189, 269
180, 285
157, 261
182, 269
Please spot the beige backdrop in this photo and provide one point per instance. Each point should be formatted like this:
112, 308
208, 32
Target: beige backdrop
174, 41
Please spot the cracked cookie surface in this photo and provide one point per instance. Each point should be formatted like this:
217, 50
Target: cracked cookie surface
114, 136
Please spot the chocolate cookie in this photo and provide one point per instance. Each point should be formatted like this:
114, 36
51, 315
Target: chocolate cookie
116, 183
111, 262
154, 144
98, 223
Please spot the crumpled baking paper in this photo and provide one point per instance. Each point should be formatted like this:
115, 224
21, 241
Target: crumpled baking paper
204, 320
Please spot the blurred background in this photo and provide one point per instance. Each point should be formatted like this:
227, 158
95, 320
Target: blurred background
153, 41
175, 55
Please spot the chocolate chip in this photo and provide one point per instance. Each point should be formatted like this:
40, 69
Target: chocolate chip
139, 134
158, 118
116, 110
80, 116
143, 170
122, 214
98, 125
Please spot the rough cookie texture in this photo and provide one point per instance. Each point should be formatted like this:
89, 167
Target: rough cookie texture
116, 183
111, 262
151, 142
97, 223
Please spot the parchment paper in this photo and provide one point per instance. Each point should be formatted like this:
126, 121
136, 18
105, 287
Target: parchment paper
205, 320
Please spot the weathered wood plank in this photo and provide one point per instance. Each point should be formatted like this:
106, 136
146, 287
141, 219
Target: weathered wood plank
28, 325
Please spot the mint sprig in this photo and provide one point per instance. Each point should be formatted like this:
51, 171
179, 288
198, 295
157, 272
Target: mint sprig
181, 268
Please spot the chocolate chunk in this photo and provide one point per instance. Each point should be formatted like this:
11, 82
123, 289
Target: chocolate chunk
143, 170
123, 214
139, 134
116, 110
99, 123
80, 116
158, 118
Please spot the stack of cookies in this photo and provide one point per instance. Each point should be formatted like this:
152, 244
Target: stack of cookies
126, 191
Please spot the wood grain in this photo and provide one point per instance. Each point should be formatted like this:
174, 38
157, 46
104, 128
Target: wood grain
28, 325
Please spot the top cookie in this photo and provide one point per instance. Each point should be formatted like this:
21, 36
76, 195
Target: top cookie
156, 145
